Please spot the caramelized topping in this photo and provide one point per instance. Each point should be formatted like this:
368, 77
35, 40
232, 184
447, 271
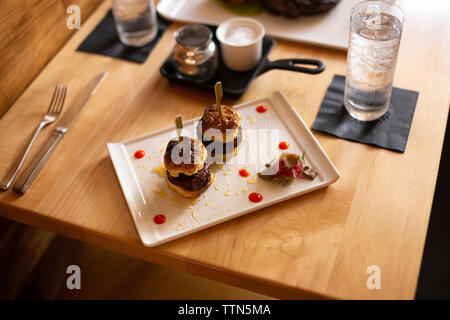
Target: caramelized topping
211, 119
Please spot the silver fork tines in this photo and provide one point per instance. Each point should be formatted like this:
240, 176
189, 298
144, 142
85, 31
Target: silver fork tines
54, 109
57, 104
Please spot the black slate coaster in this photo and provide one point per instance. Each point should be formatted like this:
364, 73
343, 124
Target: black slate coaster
104, 40
390, 131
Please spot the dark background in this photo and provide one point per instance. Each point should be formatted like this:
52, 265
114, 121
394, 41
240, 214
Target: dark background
434, 278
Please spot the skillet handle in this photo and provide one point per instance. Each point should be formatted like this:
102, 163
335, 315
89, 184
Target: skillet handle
293, 65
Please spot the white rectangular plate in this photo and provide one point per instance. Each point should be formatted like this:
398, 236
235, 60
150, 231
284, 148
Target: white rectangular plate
330, 29
148, 194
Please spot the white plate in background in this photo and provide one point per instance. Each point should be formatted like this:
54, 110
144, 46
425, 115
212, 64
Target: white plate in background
330, 29
148, 194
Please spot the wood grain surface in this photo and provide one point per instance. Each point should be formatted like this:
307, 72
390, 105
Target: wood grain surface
317, 245
32, 32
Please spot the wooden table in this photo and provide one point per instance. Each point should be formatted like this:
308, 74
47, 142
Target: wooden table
318, 245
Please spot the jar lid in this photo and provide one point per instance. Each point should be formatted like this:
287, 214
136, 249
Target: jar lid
194, 35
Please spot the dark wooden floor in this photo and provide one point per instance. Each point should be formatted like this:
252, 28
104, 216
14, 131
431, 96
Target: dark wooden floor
33, 265
21, 248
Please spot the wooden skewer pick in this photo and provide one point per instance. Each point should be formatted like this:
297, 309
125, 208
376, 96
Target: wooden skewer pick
219, 93
179, 125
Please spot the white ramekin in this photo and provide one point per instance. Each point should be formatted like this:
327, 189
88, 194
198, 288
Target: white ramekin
241, 57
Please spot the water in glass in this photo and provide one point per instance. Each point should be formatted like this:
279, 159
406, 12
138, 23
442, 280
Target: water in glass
136, 21
372, 54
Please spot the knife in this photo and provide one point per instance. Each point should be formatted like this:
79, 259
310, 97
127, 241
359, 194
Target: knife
33, 169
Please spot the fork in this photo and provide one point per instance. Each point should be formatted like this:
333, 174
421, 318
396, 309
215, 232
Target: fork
54, 109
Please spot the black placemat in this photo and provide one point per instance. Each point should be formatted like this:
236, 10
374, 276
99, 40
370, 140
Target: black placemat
104, 40
390, 131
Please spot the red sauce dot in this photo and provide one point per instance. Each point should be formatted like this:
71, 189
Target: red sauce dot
139, 154
255, 197
261, 109
283, 145
159, 219
244, 173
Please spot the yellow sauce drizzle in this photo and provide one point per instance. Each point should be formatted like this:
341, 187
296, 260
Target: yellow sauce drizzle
226, 193
229, 184
207, 203
194, 213
188, 217
164, 195
251, 180
160, 170
161, 193
251, 119
176, 228
178, 225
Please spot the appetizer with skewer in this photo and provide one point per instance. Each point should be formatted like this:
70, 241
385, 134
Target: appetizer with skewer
220, 128
186, 169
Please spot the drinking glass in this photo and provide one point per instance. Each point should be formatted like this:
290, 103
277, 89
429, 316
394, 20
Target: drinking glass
195, 53
375, 32
136, 21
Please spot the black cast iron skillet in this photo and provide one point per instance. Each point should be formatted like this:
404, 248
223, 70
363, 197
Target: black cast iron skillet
236, 83
298, 65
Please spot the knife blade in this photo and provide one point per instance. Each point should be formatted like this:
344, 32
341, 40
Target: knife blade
29, 174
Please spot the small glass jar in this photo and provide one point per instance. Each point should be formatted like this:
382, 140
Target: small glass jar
195, 53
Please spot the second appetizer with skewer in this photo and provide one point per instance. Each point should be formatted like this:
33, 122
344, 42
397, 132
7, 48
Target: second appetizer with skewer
220, 129
186, 169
